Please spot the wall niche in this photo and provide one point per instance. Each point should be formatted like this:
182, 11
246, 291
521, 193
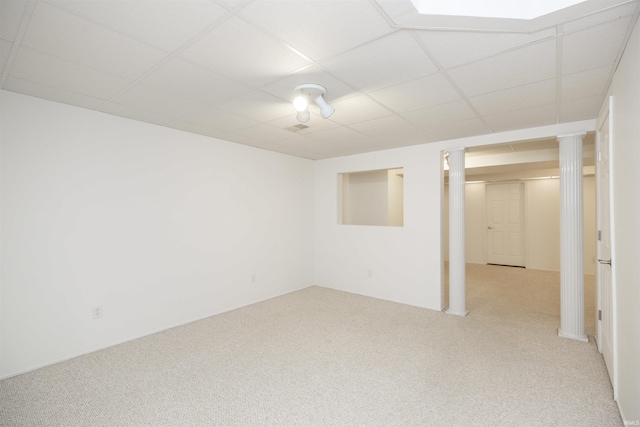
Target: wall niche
374, 197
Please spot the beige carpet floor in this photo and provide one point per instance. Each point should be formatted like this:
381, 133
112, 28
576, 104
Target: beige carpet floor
320, 357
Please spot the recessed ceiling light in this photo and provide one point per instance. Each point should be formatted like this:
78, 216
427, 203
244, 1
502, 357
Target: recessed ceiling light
511, 9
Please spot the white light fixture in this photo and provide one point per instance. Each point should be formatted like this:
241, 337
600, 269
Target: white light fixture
521, 9
310, 92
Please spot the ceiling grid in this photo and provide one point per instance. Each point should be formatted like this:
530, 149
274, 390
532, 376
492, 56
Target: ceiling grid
227, 69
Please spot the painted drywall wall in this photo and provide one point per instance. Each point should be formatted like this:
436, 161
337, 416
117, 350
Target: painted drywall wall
406, 263
625, 176
396, 197
542, 212
395, 263
543, 224
368, 198
159, 227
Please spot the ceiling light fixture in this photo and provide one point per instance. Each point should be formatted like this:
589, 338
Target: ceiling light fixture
305, 93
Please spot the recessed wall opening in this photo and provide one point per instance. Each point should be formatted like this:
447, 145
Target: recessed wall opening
374, 197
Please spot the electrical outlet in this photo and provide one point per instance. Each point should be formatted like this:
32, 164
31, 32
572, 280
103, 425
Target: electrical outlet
369, 273
96, 312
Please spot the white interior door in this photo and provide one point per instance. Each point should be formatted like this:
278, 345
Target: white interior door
605, 283
505, 224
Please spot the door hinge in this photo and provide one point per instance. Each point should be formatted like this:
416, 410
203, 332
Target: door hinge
599, 156
599, 314
599, 235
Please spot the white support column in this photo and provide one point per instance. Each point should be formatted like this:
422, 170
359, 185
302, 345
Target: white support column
571, 239
457, 277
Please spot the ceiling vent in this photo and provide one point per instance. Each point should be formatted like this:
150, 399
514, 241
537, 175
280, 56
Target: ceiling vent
297, 128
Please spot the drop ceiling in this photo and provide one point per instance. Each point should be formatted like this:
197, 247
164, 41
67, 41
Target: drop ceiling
227, 69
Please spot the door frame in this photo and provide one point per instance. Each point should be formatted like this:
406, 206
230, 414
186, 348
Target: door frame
523, 219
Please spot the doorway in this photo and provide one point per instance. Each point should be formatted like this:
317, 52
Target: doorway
505, 224
534, 166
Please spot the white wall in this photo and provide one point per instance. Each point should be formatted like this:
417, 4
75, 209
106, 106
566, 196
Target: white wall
159, 226
396, 198
625, 175
404, 261
368, 198
543, 224
542, 213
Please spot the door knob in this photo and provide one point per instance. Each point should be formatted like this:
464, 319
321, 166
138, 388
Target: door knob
490, 227
604, 261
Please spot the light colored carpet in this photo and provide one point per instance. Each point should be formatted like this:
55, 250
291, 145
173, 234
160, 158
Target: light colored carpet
321, 357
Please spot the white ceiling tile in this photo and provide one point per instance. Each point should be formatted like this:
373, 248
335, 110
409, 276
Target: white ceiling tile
356, 109
594, 47
384, 62
404, 139
164, 24
416, 94
238, 51
299, 146
11, 12
587, 83
30, 64
156, 101
299, 141
522, 119
342, 136
580, 109
609, 14
258, 106
315, 124
440, 114
459, 129
78, 40
284, 87
193, 82
386, 127
319, 29
41, 90
516, 68
265, 132
223, 120
323, 150
451, 49
5, 50
517, 98
134, 113
206, 130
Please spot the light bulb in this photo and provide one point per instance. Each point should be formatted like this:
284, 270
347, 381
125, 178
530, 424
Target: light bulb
300, 103
303, 116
